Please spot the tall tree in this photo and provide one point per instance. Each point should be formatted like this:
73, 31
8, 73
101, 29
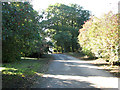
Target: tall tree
63, 22
21, 30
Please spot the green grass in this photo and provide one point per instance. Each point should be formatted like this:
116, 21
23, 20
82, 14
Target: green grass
23, 72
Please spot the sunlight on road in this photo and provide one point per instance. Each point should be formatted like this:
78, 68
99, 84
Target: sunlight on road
97, 81
76, 61
70, 72
88, 66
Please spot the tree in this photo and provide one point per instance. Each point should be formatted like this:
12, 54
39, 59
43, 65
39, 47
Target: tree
63, 22
21, 33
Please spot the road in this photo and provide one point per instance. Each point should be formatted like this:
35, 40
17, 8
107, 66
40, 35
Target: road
69, 72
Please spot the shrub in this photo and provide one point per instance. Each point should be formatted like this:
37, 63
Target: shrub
100, 36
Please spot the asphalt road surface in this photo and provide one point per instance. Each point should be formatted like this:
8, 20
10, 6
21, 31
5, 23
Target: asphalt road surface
69, 72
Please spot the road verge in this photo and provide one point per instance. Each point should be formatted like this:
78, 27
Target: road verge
24, 73
100, 62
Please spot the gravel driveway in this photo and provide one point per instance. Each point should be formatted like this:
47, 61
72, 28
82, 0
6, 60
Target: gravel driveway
69, 72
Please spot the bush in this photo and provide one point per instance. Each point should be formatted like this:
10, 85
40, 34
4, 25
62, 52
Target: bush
100, 36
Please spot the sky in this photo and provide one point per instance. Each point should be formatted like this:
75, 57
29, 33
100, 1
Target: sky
97, 7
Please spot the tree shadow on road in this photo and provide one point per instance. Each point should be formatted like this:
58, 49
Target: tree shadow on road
73, 73
77, 68
62, 83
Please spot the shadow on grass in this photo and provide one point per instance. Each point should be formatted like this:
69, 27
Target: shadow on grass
14, 81
16, 75
22, 74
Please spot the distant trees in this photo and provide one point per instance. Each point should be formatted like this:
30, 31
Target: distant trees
99, 36
62, 24
21, 31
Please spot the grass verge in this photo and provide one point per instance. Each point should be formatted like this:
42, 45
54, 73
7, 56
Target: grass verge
23, 74
100, 62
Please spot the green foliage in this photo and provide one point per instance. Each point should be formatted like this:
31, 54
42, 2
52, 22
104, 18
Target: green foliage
99, 36
21, 32
63, 23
